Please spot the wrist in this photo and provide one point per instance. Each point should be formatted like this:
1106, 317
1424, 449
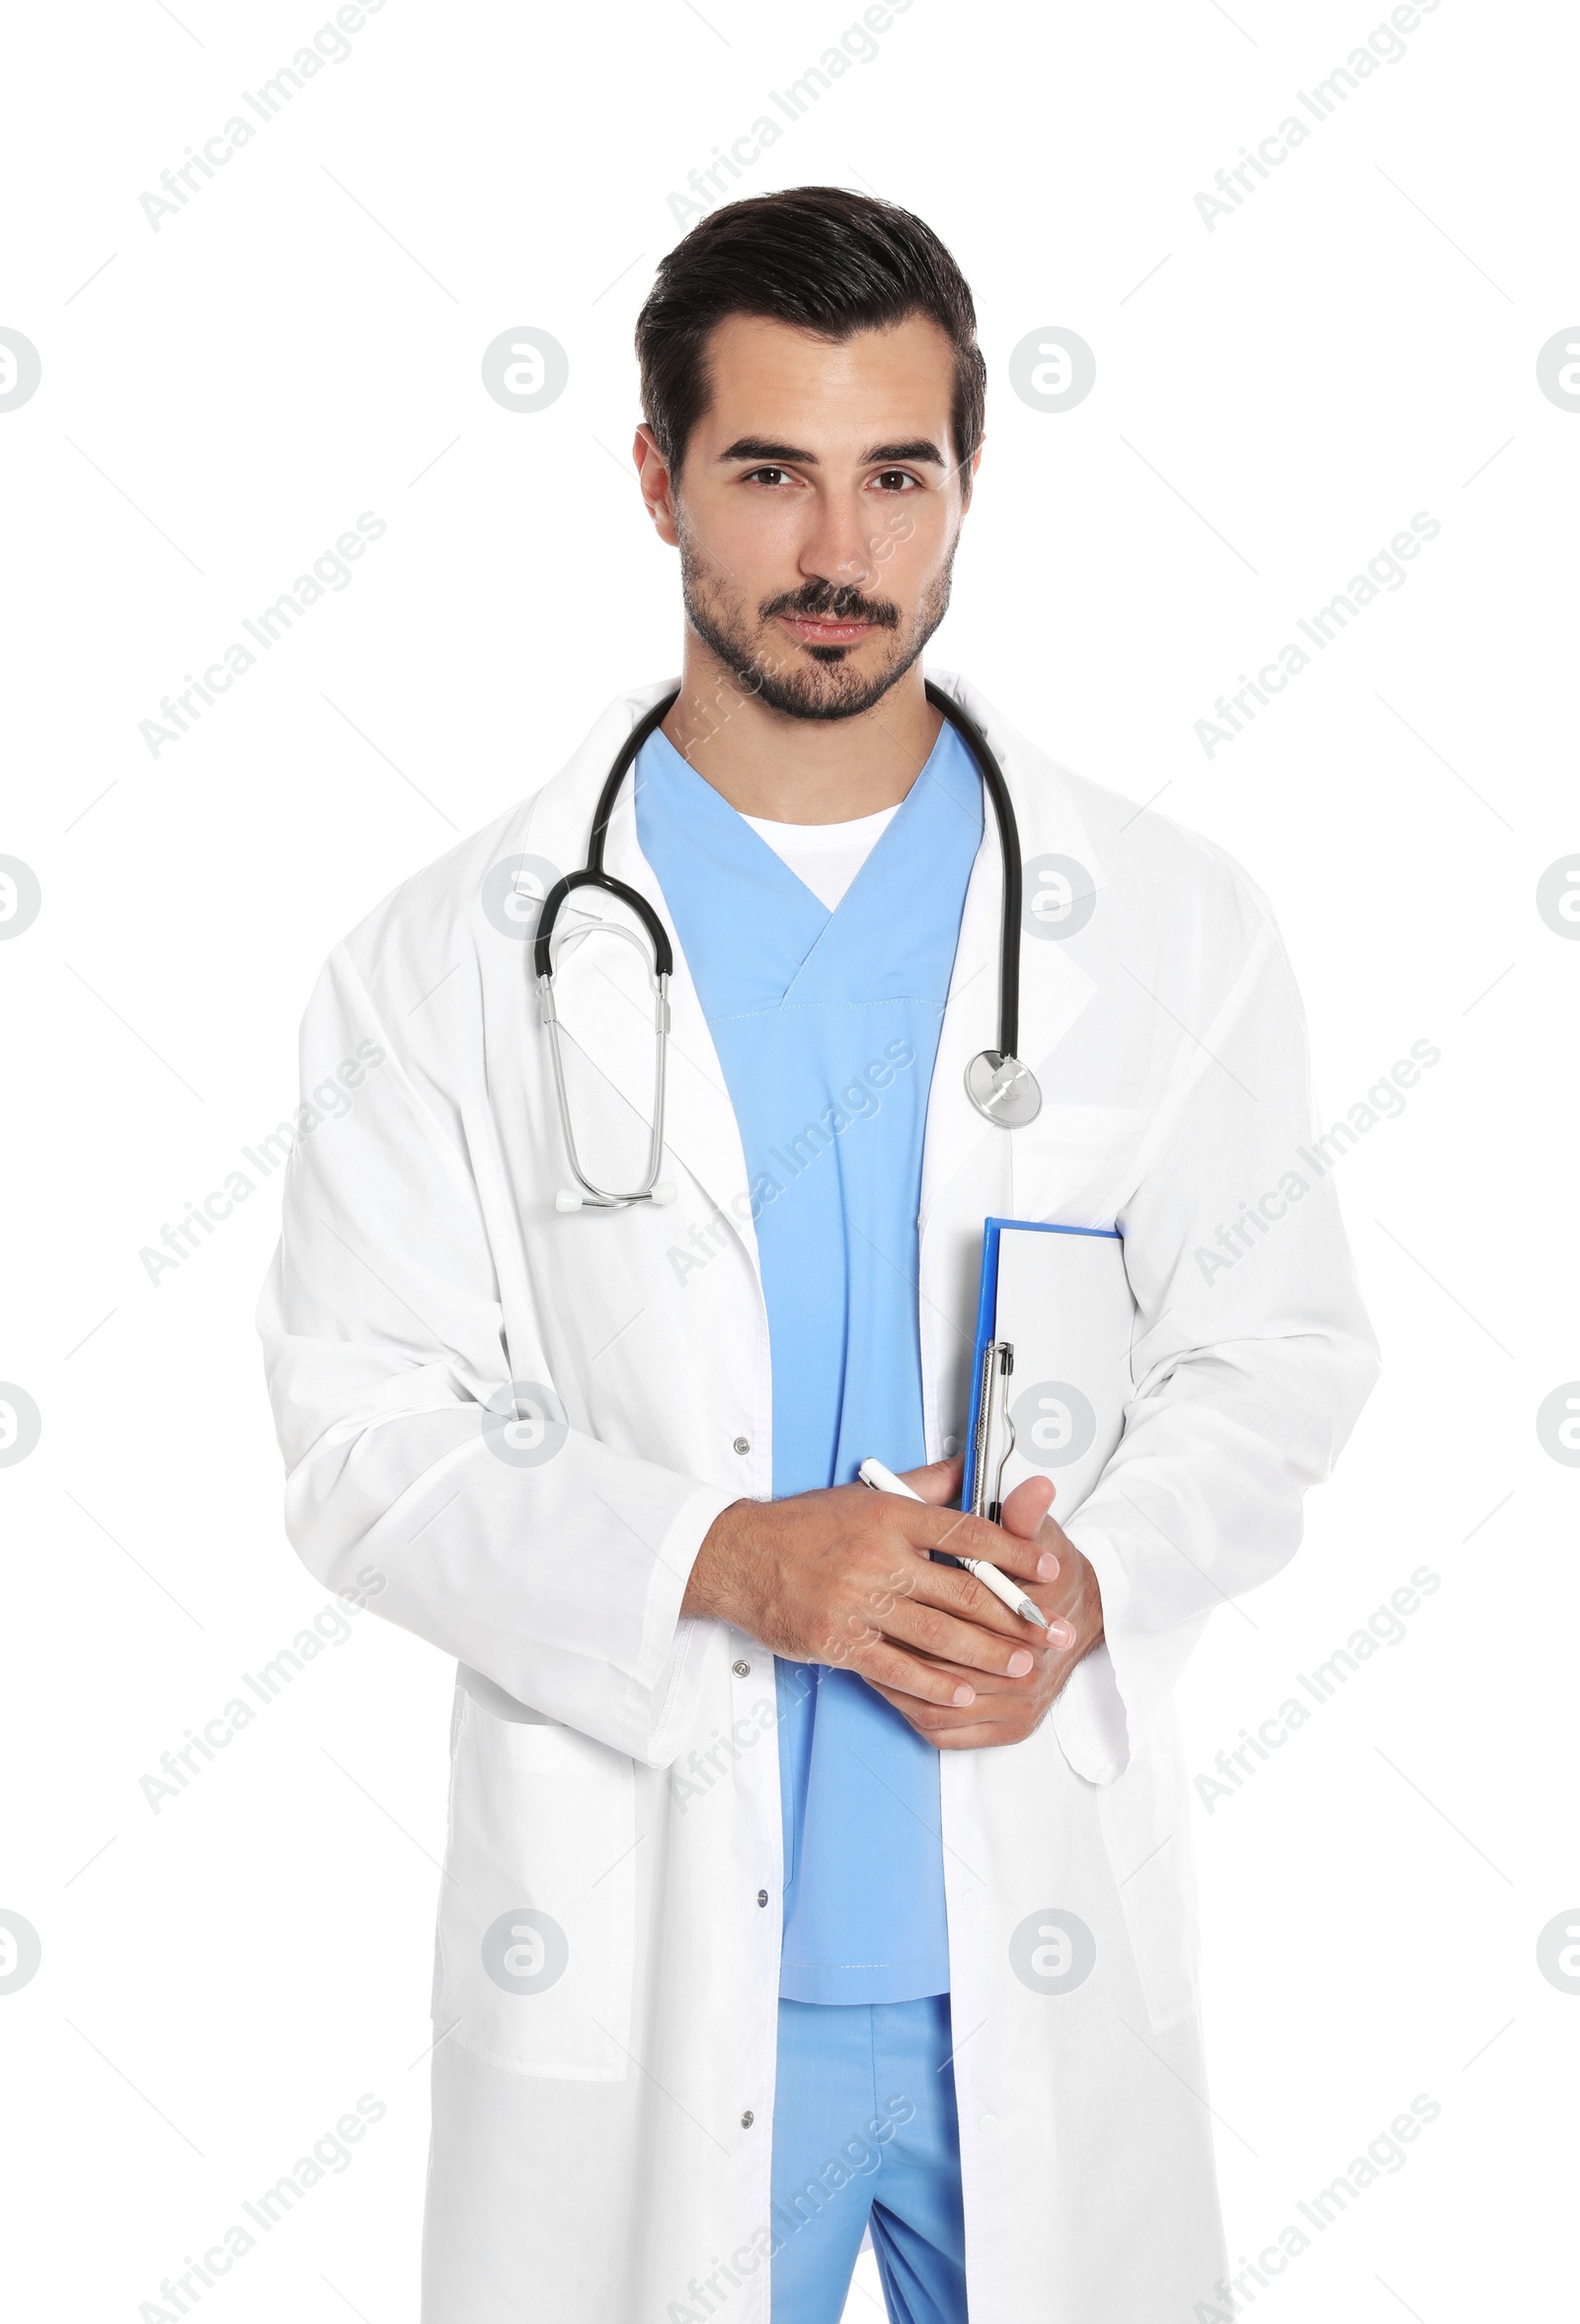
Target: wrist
713, 1585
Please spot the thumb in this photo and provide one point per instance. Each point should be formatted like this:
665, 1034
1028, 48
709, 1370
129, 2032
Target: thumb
939, 1482
1026, 1507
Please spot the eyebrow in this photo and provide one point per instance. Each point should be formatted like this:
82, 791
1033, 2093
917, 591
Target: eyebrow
762, 448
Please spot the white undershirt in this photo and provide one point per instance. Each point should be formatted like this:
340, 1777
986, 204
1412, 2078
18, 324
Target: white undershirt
825, 856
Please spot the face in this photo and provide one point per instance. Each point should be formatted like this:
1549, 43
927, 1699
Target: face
816, 510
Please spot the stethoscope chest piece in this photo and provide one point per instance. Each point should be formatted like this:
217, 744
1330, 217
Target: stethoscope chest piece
1002, 1090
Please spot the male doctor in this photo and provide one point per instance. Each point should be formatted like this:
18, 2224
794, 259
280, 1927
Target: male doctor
795, 1888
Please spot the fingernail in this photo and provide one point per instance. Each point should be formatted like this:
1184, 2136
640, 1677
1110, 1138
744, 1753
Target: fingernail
1019, 1663
1063, 1634
965, 1694
1047, 1566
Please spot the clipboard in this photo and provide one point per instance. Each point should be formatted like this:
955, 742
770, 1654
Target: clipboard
1050, 1372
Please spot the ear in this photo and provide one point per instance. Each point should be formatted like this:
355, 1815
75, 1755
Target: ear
652, 475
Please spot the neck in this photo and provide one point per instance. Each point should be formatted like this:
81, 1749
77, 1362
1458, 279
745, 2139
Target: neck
799, 770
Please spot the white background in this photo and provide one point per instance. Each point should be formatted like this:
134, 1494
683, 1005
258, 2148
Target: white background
220, 400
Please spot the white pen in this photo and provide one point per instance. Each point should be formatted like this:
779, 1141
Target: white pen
884, 1480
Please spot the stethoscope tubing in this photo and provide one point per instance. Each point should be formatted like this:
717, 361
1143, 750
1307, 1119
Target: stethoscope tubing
594, 875
994, 783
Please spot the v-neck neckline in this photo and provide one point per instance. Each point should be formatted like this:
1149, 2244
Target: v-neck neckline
756, 938
758, 847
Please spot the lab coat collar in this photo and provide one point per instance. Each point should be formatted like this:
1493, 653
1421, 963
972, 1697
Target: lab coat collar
607, 1012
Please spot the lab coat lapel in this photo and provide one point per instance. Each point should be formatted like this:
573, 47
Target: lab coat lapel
602, 992
1053, 989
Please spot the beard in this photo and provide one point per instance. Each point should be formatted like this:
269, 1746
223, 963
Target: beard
809, 682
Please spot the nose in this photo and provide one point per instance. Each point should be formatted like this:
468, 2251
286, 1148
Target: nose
839, 550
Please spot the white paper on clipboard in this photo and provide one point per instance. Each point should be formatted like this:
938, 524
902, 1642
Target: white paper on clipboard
1061, 1297
1064, 1304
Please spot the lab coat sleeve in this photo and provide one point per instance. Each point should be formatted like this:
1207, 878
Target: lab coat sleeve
1251, 1361
383, 1338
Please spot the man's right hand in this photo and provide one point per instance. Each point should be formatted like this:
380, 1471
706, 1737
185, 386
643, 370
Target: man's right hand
843, 1577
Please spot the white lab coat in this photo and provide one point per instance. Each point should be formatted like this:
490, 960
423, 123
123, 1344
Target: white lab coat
601, 2137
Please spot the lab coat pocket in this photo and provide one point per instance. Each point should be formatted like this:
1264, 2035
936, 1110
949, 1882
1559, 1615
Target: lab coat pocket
1145, 1819
1074, 1165
537, 1908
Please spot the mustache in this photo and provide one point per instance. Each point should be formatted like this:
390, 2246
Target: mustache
825, 601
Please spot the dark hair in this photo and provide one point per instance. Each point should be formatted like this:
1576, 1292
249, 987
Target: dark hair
819, 259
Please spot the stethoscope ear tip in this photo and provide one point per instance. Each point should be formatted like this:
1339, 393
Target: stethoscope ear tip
662, 1191
568, 1199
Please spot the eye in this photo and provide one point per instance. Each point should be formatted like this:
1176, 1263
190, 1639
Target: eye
757, 475
890, 478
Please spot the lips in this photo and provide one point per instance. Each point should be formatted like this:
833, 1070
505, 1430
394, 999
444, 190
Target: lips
825, 633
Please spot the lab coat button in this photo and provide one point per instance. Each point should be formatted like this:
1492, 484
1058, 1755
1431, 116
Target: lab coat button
762, 1895
741, 1669
988, 2123
747, 2119
742, 1444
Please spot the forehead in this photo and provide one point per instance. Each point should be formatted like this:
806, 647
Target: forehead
835, 396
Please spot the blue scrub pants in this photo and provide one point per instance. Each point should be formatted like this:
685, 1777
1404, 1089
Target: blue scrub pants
865, 2133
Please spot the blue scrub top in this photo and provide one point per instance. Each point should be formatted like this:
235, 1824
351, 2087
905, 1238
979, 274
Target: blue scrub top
827, 1029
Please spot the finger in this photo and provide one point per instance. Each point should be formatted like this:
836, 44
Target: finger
945, 1614
991, 1686
951, 1729
977, 1738
939, 1482
988, 1612
964, 1536
884, 1665
928, 1718
945, 1638
960, 1594
923, 1529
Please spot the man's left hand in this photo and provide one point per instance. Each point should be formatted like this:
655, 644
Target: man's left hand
1008, 1709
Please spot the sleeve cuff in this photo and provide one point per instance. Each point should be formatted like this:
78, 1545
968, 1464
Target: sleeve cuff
1089, 1719
681, 1640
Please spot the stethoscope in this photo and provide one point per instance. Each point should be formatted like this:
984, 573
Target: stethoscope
1002, 1090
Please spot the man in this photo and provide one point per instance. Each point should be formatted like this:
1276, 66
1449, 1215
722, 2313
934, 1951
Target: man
770, 1836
